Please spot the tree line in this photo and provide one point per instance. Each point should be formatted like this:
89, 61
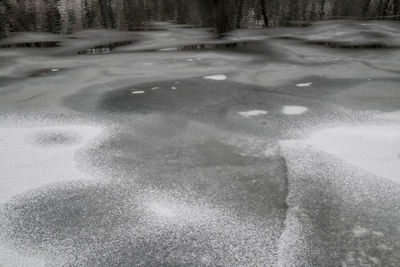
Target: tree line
63, 16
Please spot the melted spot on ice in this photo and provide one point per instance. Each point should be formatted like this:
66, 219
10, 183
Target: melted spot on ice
304, 84
375, 149
37, 158
251, 113
137, 92
294, 110
217, 77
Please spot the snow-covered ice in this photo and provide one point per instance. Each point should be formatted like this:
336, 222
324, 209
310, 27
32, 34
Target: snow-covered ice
375, 149
40, 156
294, 110
217, 77
251, 113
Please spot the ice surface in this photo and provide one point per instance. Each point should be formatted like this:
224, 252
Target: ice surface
40, 156
375, 149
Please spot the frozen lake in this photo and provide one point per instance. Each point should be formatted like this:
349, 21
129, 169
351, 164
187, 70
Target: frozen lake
267, 147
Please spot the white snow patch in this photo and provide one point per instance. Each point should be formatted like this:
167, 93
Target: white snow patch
54, 69
190, 59
304, 84
251, 113
173, 88
375, 149
155, 88
146, 63
137, 92
177, 82
199, 58
294, 110
217, 77
31, 157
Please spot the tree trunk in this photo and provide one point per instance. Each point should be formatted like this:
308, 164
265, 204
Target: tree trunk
240, 14
264, 12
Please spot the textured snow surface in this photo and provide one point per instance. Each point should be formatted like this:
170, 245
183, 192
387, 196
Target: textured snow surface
375, 149
31, 157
